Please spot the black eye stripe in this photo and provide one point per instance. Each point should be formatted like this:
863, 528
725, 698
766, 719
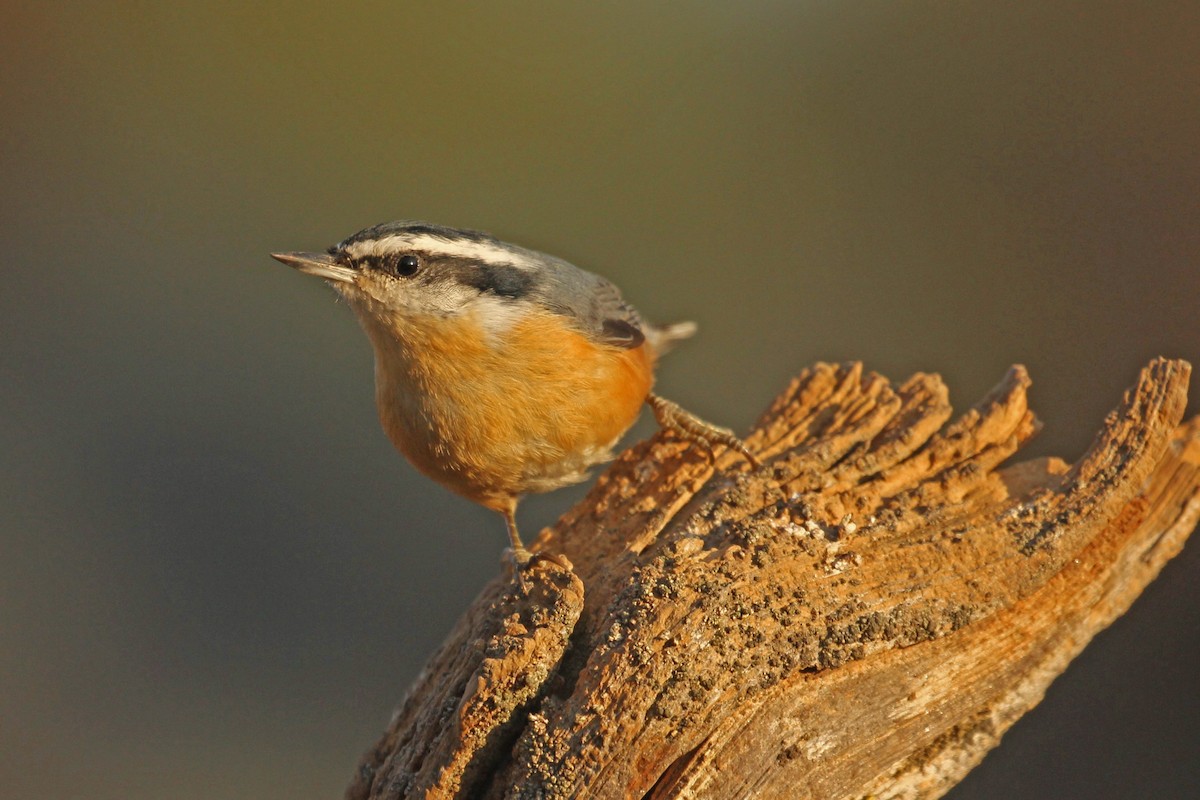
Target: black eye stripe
501, 279
401, 264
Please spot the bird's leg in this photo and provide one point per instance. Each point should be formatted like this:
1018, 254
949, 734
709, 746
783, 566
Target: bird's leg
674, 418
521, 556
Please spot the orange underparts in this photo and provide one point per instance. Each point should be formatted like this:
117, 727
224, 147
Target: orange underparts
497, 415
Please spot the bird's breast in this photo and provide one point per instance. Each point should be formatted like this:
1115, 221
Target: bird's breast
494, 416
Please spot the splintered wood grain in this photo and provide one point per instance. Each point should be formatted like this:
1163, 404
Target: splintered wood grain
864, 615
469, 703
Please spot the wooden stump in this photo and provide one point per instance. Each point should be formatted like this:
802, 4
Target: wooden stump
862, 617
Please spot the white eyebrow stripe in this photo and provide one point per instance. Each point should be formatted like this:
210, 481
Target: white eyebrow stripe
436, 246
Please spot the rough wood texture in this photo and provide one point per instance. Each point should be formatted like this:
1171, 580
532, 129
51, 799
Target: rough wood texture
862, 617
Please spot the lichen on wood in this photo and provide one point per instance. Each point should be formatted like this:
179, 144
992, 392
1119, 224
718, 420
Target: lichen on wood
863, 616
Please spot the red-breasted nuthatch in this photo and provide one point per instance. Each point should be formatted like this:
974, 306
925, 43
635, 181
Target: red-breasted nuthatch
499, 371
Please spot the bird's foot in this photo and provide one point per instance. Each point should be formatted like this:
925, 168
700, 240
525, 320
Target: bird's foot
674, 417
523, 560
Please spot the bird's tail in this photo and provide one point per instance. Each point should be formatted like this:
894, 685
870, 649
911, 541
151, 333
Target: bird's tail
663, 337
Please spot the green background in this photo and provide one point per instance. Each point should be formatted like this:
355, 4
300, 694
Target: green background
217, 578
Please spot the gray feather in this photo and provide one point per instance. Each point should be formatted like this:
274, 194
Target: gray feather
592, 303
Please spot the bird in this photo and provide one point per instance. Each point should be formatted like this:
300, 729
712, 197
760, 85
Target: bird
500, 371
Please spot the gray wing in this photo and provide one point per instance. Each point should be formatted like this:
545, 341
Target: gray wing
592, 303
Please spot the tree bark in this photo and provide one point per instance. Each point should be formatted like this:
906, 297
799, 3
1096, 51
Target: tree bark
864, 616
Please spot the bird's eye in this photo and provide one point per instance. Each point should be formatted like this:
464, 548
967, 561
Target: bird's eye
407, 265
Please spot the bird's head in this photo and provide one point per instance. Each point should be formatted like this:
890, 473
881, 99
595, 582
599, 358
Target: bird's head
412, 269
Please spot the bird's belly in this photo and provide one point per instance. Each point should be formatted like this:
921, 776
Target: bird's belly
494, 423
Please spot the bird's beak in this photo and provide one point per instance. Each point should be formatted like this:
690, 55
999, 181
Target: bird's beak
320, 264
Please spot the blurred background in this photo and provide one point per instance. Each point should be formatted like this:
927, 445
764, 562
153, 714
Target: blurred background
216, 576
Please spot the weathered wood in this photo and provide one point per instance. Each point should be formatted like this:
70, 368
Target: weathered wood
863, 616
